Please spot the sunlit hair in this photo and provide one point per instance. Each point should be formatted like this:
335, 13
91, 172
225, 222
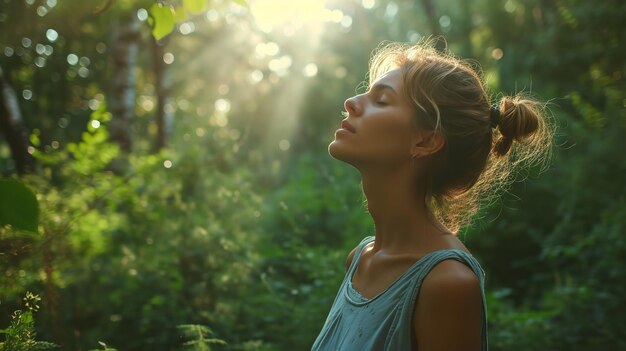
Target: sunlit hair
450, 97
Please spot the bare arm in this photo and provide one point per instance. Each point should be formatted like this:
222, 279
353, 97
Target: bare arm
448, 312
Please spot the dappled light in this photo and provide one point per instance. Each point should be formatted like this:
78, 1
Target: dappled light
166, 179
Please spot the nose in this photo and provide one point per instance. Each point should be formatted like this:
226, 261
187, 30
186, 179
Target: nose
351, 106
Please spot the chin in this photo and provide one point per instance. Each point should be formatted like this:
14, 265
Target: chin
339, 152
334, 150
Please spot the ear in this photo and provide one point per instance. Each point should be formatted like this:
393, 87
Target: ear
426, 143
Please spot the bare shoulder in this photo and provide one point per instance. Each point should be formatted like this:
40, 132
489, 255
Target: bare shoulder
449, 303
350, 258
451, 275
451, 286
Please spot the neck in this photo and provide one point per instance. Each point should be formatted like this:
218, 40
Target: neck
400, 215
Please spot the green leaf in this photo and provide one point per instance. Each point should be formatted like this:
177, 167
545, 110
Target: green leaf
162, 20
18, 205
195, 6
242, 3
34, 139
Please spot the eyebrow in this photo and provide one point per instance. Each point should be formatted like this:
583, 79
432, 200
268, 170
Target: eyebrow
382, 86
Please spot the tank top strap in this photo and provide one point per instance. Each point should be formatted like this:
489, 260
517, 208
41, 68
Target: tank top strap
357, 254
430, 260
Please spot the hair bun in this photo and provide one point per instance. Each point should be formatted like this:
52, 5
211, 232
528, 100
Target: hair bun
519, 120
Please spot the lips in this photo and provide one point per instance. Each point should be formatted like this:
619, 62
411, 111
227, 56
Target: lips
347, 126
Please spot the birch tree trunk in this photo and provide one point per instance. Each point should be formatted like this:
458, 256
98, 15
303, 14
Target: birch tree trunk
162, 87
122, 95
13, 128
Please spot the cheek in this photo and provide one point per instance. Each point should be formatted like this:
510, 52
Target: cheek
392, 136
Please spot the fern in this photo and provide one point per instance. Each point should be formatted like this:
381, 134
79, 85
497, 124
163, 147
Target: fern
20, 334
196, 337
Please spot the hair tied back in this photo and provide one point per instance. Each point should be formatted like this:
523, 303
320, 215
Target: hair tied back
494, 116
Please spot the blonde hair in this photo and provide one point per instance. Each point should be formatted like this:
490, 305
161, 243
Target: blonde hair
450, 97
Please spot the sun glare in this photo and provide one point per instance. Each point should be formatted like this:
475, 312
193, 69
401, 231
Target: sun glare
270, 14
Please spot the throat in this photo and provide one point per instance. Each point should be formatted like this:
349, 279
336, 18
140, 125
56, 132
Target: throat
377, 272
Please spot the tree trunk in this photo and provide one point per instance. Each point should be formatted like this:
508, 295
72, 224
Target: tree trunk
13, 128
429, 9
122, 95
162, 87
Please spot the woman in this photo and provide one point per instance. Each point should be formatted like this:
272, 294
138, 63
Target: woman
430, 148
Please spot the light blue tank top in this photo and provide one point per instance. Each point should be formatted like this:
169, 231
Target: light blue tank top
384, 322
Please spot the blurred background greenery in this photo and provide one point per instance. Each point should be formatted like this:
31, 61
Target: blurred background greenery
185, 181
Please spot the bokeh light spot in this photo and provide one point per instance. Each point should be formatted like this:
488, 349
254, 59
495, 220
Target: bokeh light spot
63, 122
42, 11
223, 89
368, 4
168, 58
310, 70
284, 145
83, 72
72, 59
222, 105
509, 6
52, 35
101, 48
27, 94
391, 10
40, 62
212, 15
444, 21
280, 65
255, 76
187, 28
146, 103
266, 49
346, 21
142, 14
94, 104
497, 53
219, 120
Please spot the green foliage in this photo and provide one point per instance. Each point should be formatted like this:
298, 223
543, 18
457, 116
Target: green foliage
233, 228
195, 337
162, 20
18, 205
20, 334
164, 16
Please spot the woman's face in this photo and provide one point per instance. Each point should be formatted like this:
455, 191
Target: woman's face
377, 131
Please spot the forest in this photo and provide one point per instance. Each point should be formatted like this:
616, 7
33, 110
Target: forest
165, 182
